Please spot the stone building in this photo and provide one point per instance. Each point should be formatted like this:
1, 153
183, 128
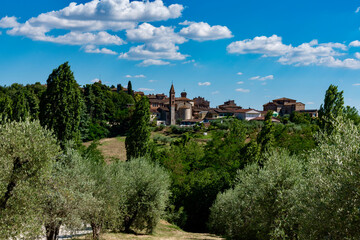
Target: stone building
284, 106
171, 109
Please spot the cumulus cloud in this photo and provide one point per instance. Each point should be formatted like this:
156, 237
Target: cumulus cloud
204, 83
150, 62
146, 89
242, 90
312, 53
239, 73
357, 10
215, 92
159, 43
356, 84
9, 22
88, 23
94, 49
144, 52
240, 82
201, 31
355, 43
310, 103
136, 76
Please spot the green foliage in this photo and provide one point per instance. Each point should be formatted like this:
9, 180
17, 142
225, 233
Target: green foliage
27, 153
329, 202
259, 207
141, 190
352, 114
138, 137
332, 108
68, 194
61, 104
266, 136
300, 118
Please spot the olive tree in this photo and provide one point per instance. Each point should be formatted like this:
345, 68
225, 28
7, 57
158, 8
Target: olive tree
329, 202
141, 190
259, 207
27, 154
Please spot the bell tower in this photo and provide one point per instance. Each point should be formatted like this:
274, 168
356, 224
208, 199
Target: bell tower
172, 105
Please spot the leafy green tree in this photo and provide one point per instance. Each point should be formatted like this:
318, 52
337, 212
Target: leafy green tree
138, 138
333, 107
266, 135
329, 203
68, 196
353, 114
61, 104
141, 189
27, 154
259, 207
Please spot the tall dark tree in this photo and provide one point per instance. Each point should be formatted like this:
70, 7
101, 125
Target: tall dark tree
333, 106
138, 139
60, 106
129, 88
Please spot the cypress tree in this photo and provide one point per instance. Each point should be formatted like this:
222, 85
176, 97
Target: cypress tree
130, 90
138, 138
60, 106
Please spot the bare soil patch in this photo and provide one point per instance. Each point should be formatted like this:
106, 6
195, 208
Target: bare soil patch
112, 148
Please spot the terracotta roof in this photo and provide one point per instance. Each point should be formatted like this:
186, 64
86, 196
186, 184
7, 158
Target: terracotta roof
284, 99
182, 99
166, 109
245, 110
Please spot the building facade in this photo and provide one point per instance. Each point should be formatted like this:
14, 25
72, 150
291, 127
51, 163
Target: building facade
284, 106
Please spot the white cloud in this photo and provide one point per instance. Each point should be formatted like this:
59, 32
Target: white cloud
150, 62
95, 80
152, 81
88, 23
136, 76
306, 54
357, 10
239, 73
215, 92
356, 84
355, 43
242, 90
159, 43
204, 83
190, 61
9, 22
269, 46
310, 103
144, 52
357, 55
269, 77
201, 31
94, 49
240, 82
145, 89
150, 34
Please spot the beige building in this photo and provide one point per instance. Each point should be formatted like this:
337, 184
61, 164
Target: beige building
284, 106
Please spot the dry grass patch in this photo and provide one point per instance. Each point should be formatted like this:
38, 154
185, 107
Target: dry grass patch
164, 231
112, 148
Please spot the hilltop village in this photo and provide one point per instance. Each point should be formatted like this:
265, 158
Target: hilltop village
172, 110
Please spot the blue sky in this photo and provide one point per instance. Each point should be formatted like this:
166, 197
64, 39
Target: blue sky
249, 51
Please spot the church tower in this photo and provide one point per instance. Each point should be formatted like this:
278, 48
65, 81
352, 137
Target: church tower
172, 105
